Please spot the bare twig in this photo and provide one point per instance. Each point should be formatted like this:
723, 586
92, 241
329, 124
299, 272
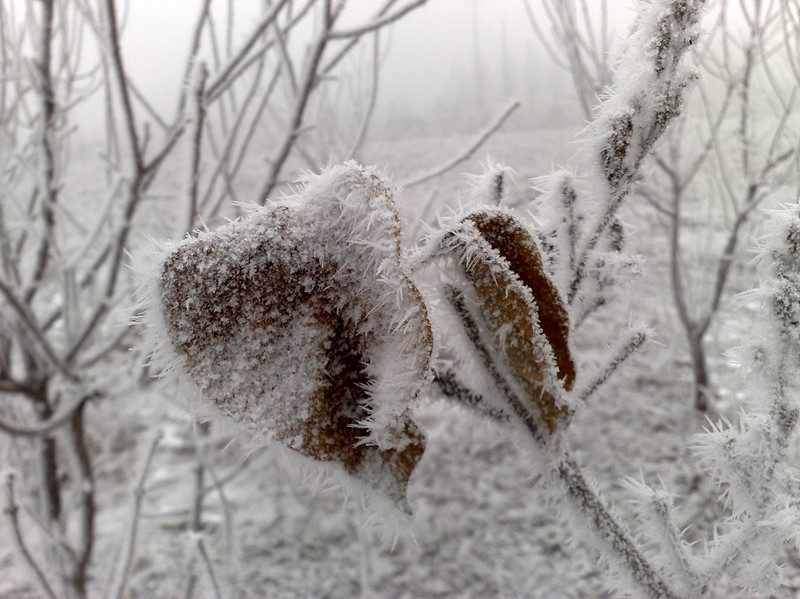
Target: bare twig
377, 23
121, 579
473, 147
12, 510
44, 428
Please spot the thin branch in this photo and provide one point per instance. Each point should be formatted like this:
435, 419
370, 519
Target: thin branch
631, 346
569, 472
201, 547
12, 511
373, 98
377, 23
191, 63
87, 505
121, 77
47, 141
473, 147
41, 429
304, 93
38, 338
197, 142
456, 300
130, 544
579, 491
462, 395
224, 75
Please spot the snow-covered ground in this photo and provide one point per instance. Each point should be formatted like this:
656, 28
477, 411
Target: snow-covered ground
482, 526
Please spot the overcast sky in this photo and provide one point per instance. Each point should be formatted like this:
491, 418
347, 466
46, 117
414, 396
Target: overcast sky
484, 49
428, 48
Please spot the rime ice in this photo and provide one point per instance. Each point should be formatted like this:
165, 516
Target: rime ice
300, 322
520, 309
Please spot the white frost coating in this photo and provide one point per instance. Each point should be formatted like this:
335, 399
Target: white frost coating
300, 322
507, 306
468, 243
489, 187
649, 84
755, 460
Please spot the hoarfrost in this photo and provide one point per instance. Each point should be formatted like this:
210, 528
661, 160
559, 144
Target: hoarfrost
300, 322
496, 265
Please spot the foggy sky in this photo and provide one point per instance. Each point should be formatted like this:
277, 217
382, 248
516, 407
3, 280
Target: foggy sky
444, 56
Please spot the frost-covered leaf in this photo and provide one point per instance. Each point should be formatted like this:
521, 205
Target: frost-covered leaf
520, 307
300, 322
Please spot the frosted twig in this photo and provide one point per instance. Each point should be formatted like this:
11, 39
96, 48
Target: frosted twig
630, 121
377, 23
38, 338
119, 72
190, 66
199, 117
301, 102
11, 510
224, 76
610, 530
421, 219
473, 147
569, 472
121, 579
462, 395
635, 341
235, 472
655, 509
456, 299
354, 152
47, 184
223, 161
87, 507
201, 547
218, 485
49, 425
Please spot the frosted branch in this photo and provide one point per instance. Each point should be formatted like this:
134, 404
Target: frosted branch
12, 510
39, 340
458, 392
43, 428
139, 490
633, 343
378, 23
456, 299
224, 75
578, 490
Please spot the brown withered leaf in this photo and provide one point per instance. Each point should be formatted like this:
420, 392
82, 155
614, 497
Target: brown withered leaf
530, 330
301, 323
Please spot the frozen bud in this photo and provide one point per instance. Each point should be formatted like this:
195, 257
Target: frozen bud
301, 323
616, 236
520, 308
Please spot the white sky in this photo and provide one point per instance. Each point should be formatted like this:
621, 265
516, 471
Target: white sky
429, 49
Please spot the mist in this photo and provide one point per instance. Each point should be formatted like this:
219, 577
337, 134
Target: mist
446, 67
